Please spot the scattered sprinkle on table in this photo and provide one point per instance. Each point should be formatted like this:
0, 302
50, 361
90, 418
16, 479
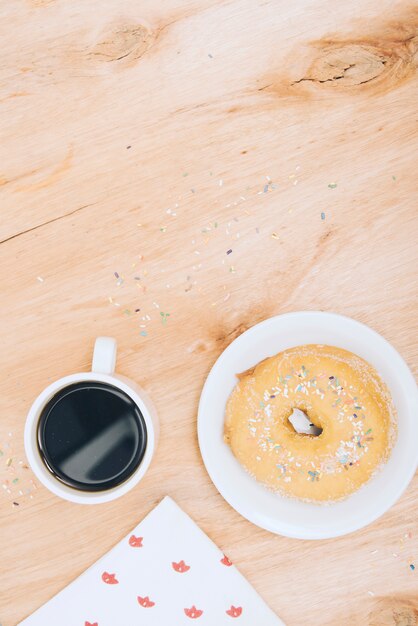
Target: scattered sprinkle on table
41, 280
119, 279
412, 566
229, 251
332, 185
322, 215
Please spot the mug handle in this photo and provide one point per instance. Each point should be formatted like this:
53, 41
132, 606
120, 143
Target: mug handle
104, 356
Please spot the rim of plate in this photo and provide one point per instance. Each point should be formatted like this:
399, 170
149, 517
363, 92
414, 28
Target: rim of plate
227, 474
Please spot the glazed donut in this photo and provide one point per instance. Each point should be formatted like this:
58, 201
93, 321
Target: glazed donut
341, 395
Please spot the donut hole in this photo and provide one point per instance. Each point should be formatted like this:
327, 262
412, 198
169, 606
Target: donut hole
302, 424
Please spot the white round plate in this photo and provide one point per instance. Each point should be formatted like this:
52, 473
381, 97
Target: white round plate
287, 516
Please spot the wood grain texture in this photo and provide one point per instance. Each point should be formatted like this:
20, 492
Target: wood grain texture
141, 138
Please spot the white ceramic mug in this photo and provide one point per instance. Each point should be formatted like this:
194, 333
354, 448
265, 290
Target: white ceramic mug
103, 371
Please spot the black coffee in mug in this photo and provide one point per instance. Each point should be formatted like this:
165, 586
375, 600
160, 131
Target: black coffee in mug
92, 436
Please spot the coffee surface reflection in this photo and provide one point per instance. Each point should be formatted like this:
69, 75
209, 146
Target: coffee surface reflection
92, 436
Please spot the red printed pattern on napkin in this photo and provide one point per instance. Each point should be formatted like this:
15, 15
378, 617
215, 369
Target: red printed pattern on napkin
180, 567
135, 542
234, 611
109, 579
193, 612
145, 602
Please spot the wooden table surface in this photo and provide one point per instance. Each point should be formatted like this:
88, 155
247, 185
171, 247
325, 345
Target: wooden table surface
140, 142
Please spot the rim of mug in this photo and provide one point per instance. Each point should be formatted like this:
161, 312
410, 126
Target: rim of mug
35, 459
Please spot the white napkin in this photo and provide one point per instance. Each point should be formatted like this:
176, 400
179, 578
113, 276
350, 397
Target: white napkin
167, 572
